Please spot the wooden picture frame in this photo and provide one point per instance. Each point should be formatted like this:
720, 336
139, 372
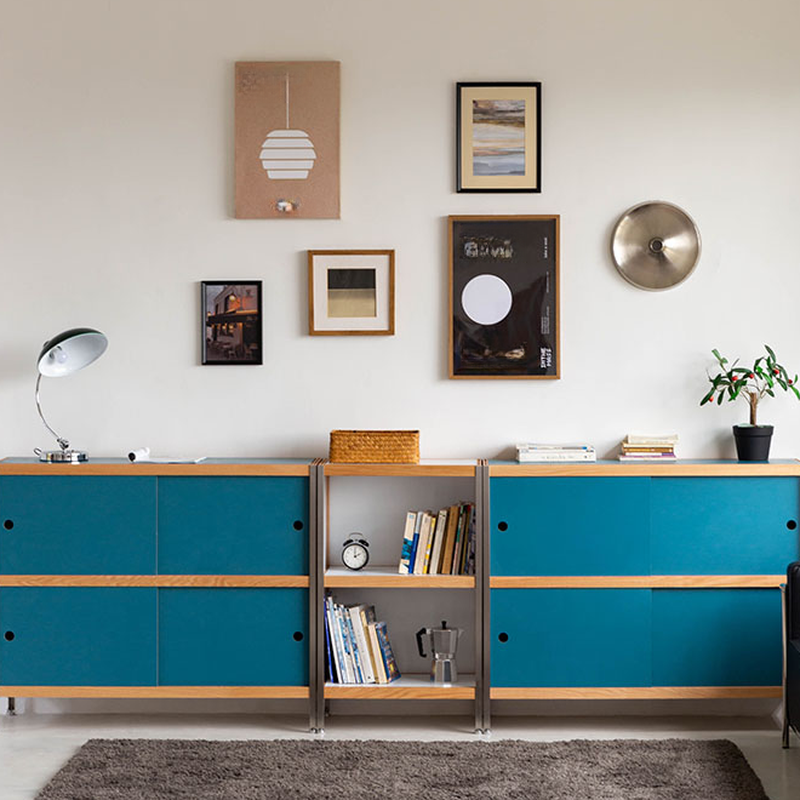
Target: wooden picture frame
504, 296
499, 137
230, 324
351, 292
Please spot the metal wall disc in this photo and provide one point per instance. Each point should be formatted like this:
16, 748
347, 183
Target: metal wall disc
655, 245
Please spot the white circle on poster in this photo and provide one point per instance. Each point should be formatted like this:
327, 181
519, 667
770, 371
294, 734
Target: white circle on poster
486, 299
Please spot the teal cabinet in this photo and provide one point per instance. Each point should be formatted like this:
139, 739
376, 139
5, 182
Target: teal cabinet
52, 636
570, 526
724, 526
77, 525
717, 637
233, 526
570, 637
233, 637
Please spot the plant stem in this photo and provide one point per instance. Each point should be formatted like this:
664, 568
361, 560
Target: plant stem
753, 407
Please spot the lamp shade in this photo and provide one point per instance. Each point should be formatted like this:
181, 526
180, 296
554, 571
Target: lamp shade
70, 351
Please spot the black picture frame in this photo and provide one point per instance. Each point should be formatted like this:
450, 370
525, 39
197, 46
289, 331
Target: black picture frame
504, 296
230, 327
499, 169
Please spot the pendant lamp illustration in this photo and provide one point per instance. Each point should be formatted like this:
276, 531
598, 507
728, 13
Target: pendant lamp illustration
287, 154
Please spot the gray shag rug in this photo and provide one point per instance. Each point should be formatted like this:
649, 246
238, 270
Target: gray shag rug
152, 769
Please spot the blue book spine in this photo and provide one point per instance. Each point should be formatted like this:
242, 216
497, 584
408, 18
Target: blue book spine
328, 654
415, 542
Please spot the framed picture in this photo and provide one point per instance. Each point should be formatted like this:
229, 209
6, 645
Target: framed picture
351, 292
498, 137
287, 139
231, 322
504, 317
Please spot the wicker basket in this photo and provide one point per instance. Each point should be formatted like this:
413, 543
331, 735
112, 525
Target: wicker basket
374, 447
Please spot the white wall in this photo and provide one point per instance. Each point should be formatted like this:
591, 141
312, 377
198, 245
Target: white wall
116, 197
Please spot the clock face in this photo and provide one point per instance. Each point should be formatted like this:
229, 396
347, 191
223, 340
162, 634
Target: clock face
355, 556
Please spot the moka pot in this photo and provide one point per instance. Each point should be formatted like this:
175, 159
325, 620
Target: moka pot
443, 644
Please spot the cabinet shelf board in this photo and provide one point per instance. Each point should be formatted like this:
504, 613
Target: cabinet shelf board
409, 687
633, 693
636, 581
225, 467
165, 692
677, 469
190, 581
431, 468
389, 578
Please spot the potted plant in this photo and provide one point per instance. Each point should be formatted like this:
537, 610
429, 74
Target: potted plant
732, 382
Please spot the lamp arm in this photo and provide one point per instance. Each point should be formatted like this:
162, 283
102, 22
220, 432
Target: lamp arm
62, 442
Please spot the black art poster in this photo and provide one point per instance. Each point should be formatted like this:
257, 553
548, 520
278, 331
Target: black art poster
504, 273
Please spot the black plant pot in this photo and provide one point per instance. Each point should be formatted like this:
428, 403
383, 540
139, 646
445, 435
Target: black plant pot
752, 442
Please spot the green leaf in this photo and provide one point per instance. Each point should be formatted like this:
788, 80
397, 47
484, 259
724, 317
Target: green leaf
796, 393
720, 398
719, 357
770, 393
771, 352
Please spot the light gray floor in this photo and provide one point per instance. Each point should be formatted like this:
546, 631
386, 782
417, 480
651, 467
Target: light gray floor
34, 746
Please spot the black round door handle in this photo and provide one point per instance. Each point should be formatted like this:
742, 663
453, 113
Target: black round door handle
502, 526
503, 637
791, 524
297, 636
298, 524
8, 524
9, 636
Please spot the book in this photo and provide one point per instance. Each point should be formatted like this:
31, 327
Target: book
429, 545
415, 542
354, 654
367, 614
329, 646
462, 564
338, 643
459, 538
436, 552
544, 456
376, 649
392, 672
544, 447
633, 438
408, 543
449, 542
422, 543
362, 651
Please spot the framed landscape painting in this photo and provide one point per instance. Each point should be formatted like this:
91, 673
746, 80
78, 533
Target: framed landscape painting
504, 297
498, 137
351, 292
287, 139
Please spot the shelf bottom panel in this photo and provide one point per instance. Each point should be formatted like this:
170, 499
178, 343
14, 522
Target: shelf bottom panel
632, 693
164, 692
409, 687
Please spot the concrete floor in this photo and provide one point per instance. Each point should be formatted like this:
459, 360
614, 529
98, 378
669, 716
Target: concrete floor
34, 746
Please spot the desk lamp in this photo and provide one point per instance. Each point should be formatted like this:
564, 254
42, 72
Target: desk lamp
62, 355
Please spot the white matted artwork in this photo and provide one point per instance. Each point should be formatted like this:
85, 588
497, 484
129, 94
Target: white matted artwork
351, 292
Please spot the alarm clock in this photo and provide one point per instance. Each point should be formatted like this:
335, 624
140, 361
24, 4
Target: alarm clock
355, 551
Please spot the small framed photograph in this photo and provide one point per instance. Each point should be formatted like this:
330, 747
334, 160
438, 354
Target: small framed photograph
504, 297
498, 137
351, 292
231, 322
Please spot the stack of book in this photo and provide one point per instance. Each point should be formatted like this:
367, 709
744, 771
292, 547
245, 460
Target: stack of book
544, 453
356, 645
648, 448
440, 543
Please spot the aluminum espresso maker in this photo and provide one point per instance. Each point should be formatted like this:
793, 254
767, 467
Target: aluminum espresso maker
444, 642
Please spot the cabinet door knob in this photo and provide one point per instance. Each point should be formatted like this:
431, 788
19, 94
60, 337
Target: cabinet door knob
502, 526
791, 524
297, 636
9, 636
298, 525
503, 637
8, 524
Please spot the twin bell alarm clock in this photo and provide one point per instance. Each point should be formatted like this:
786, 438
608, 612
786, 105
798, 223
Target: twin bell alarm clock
355, 551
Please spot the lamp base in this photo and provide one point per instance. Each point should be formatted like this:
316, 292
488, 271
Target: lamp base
63, 456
